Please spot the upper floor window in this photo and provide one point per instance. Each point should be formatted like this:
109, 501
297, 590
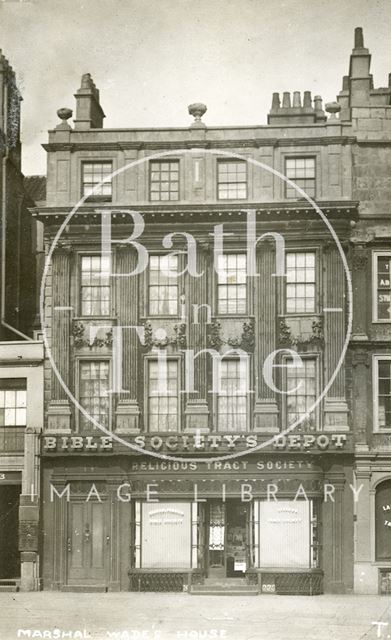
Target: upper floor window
163, 396
95, 286
164, 180
231, 179
301, 394
382, 392
302, 172
92, 174
231, 284
13, 402
300, 282
163, 285
382, 287
232, 396
94, 392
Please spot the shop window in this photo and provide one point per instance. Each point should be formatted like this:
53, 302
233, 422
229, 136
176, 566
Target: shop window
164, 180
382, 287
232, 394
92, 175
383, 521
163, 396
302, 172
13, 402
95, 286
231, 179
166, 535
163, 285
301, 387
231, 284
285, 534
94, 392
300, 282
382, 393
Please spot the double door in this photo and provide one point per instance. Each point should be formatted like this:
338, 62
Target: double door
227, 538
88, 543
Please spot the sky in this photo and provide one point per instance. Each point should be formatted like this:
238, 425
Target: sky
151, 58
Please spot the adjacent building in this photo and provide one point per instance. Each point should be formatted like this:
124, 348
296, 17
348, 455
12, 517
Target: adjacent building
21, 358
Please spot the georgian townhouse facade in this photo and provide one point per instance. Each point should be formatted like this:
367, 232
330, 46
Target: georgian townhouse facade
21, 358
369, 111
199, 432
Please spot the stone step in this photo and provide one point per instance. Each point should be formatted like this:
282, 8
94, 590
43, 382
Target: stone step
224, 590
84, 588
9, 587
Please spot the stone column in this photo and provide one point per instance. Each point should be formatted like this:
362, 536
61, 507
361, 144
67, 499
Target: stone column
359, 282
59, 412
265, 309
360, 368
127, 415
197, 410
333, 523
335, 406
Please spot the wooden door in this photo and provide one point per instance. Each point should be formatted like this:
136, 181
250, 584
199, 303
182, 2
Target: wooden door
87, 542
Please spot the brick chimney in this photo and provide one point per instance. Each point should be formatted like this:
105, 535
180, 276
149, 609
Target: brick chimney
89, 113
294, 110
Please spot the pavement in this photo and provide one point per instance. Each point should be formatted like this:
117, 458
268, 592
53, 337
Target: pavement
153, 616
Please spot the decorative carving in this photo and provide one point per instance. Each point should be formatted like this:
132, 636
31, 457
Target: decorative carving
246, 341
214, 337
80, 340
360, 357
160, 338
360, 259
286, 337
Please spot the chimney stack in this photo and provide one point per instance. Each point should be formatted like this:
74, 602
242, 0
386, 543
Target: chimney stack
89, 113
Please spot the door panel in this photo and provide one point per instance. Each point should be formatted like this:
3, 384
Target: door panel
86, 542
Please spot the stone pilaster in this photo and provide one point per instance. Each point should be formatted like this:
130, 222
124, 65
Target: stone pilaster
359, 282
59, 412
265, 308
197, 410
29, 513
333, 524
335, 406
127, 415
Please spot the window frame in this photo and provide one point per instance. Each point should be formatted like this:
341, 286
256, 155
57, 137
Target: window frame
221, 161
19, 385
82, 255
375, 256
375, 392
216, 364
150, 169
147, 282
317, 284
318, 382
297, 196
232, 314
147, 360
96, 197
78, 424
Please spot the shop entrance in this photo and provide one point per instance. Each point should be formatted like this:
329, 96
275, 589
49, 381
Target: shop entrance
227, 539
9, 519
87, 543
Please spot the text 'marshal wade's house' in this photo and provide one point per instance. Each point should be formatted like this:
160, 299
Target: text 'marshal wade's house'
213, 524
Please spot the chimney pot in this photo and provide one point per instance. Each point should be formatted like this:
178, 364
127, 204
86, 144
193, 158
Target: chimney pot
307, 104
286, 100
296, 100
275, 101
358, 38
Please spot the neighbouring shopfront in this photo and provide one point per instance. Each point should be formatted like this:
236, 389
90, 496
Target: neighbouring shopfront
281, 522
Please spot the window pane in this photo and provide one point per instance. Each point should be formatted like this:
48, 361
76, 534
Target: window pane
163, 180
383, 288
302, 172
93, 392
232, 180
384, 394
300, 287
232, 396
163, 397
92, 175
163, 285
231, 284
301, 384
95, 286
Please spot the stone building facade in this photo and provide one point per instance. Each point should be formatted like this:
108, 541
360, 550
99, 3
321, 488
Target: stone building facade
21, 357
238, 471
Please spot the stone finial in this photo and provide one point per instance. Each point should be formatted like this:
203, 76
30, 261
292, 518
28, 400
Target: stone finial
197, 110
358, 38
64, 114
333, 108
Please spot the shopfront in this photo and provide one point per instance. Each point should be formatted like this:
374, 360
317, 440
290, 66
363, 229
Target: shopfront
281, 522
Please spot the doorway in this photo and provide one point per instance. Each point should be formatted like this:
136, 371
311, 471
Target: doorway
9, 537
227, 539
88, 543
